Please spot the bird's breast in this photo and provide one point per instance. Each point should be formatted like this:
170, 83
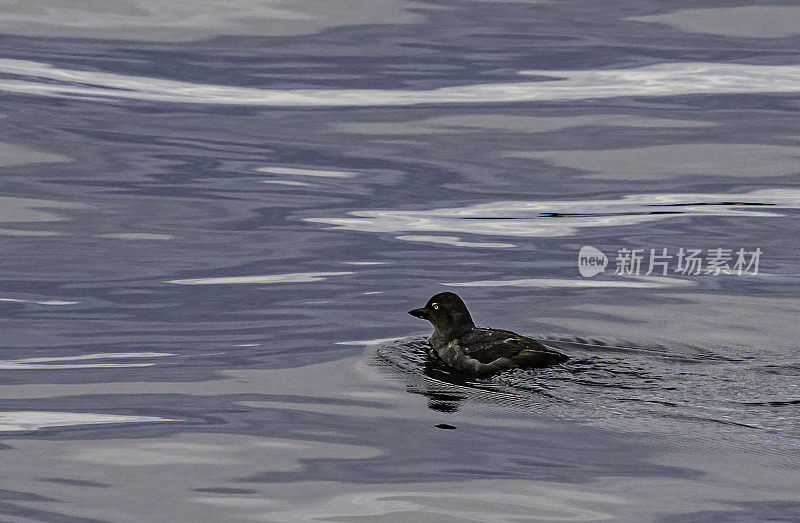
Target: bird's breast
449, 352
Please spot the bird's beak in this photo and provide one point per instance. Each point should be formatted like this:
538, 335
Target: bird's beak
419, 313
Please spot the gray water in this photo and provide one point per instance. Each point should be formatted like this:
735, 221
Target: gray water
215, 216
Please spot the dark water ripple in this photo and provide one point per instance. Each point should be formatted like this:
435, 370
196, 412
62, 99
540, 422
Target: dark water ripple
635, 384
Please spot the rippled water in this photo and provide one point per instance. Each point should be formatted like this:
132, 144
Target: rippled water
214, 218
616, 383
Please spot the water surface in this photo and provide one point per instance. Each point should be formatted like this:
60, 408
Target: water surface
214, 220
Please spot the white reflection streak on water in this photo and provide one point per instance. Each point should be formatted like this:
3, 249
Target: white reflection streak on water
542, 502
648, 283
455, 241
53, 303
306, 172
52, 362
298, 277
530, 218
369, 343
35, 420
655, 80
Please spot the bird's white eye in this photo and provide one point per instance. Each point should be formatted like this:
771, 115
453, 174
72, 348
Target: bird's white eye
435, 306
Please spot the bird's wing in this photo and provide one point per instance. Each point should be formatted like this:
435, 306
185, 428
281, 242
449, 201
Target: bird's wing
487, 345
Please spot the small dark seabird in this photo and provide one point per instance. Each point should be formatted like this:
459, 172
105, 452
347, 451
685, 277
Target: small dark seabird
475, 350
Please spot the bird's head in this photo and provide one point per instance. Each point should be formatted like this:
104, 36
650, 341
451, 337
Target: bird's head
447, 312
